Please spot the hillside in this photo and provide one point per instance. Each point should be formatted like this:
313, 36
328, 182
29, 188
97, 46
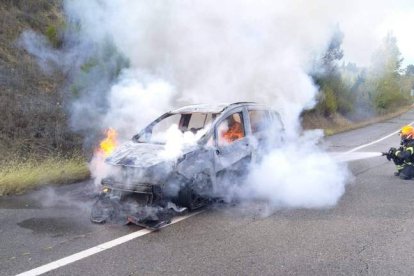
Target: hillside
33, 121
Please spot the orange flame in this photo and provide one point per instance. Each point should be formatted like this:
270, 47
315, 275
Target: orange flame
108, 144
235, 132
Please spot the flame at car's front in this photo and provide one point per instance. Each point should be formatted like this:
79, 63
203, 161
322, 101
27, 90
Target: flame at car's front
108, 144
106, 147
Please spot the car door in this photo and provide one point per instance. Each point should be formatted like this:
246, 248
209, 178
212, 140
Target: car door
232, 142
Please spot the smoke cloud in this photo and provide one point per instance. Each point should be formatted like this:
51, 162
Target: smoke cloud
134, 60
132, 104
209, 52
301, 175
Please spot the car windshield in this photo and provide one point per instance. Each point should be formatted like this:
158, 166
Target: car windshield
187, 125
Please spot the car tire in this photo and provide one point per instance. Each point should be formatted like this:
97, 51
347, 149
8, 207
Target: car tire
190, 197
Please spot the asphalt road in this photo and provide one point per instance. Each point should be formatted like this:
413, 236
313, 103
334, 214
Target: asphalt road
369, 232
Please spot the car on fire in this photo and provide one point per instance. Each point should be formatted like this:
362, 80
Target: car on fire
180, 161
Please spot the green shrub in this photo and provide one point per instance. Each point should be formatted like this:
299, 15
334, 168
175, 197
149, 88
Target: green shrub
53, 35
329, 101
389, 94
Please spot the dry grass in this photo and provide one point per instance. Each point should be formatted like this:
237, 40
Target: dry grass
18, 177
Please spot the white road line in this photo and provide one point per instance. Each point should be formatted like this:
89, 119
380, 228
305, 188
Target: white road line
96, 249
376, 141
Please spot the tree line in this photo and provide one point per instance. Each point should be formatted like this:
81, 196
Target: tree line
358, 93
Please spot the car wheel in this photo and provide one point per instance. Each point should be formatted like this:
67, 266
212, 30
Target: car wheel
190, 197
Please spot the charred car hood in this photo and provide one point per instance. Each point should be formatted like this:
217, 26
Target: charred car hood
140, 155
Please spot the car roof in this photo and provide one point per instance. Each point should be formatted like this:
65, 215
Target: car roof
212, 108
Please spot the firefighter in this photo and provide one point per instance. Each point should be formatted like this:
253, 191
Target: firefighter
404, 156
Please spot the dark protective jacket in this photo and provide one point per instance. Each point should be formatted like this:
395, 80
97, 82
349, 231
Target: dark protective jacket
406, 153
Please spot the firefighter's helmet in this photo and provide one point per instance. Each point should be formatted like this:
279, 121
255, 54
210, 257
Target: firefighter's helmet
407, 132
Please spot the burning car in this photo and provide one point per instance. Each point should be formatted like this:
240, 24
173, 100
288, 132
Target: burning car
180, 161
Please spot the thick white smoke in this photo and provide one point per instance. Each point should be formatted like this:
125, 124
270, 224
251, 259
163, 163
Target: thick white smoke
135, 100
301, 175
190, 51
240, 50
209, 51
212, 51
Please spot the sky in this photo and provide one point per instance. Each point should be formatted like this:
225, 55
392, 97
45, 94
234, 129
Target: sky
402, 23
365, 23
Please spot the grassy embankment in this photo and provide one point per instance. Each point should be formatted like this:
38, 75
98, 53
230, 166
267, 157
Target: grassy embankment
19, 176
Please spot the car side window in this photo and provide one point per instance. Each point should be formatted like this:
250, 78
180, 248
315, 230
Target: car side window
230, 129
258, 119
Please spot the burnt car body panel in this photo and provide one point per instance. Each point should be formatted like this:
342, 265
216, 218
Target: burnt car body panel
193, 177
